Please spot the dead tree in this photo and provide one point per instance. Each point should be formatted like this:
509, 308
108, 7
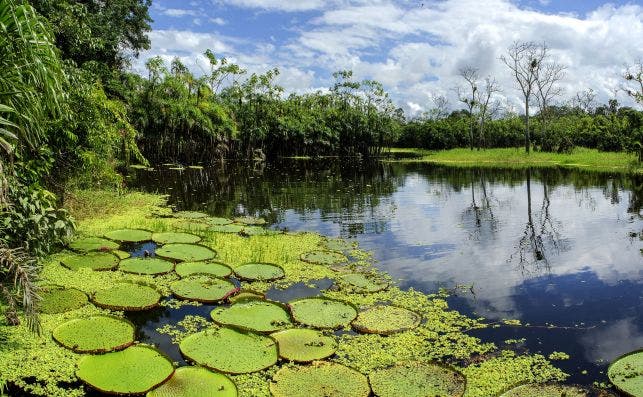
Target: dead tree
469, 96
486, 107
547, 88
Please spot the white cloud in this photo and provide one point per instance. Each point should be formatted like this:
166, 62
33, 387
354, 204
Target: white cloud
178, 12
281, 5
218, 21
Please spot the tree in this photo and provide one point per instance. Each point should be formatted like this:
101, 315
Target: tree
585, 101
469, 98
487, 108
634, 81
525, 61
547, 78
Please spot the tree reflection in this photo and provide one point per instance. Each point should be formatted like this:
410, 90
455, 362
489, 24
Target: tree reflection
479, 217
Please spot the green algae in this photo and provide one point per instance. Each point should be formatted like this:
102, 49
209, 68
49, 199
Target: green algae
546, 390
95, 334
322, 379
230, 351
91, 260
149, 266
135, 370
213, 268
304, 345
417, 379
386, 320
129, 235
259, 272
253, 315
323, 257
364, 283
626, 373
88, 244
196, 382
175, 237
186, 252
127, 297
203, 288
56, 299
322, 312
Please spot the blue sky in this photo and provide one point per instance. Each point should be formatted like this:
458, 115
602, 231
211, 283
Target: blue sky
414, 47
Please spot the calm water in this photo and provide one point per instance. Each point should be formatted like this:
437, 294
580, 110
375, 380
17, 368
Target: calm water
559, 250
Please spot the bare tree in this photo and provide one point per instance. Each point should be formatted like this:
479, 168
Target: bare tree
634, 81
487, 108
585, 100
547, 78
440, 108
524, 60
469, 96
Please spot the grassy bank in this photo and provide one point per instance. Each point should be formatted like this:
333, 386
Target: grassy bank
586, 159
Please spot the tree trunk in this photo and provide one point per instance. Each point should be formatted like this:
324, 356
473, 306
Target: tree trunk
527, 137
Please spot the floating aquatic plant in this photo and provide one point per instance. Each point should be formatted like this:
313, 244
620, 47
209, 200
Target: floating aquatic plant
417, 379
322, 312
322, 379
338, 245
127, 297
216, 269
175, 237
626, 373
259, 272
196, 382
232, 228
249, 220
546, 390
88, 244
95, 334
129, 235
186, 252
121, 254
91, 260
203, 288
386, 320
56, 299
217, 221
304, 345
148, 266
253, 315
258, 231
190, 215
322, 257
362, 282
246, 294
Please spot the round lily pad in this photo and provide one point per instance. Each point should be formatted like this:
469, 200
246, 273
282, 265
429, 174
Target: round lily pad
546, 390
304, 345
121, 254
196, 382
190, 215
91, 260
626, 373
386, 320
364, 283
322, 257
149, 266
127, 297
56, 299
93, 244
135, 370
186, 252
230, 351
253, 315
416, 379
338, 245
129, 235
322, 379
246, 294
203, 288
259, 272
218, 221
226, 228
322, 312
249, 220
216, 269
96, 334
175, 237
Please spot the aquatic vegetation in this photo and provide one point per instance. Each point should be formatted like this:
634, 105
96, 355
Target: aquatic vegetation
322, 312
231, 228
363, 282
253, 315
151, 266
218, 221
258, 231
186, 252
324, 257
321, 379
230, 351
338, 245
56, 299
417, 379
175, 237
91, 260
196, 382
203, 288
626, 373
213, 268
304, 345
259, 272
546, 390
95, 334
135, 370
87, 244
190, 215
127, 297
121, 254
129, 235
386, 320
246, 294
249, 220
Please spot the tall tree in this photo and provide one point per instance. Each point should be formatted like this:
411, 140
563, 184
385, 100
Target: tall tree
487, 108
469, 96
634, 81
548, 77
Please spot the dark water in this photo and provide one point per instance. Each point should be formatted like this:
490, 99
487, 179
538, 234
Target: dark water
559, 250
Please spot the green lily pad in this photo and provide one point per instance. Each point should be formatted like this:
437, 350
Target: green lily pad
88, 244
364, 283
135, 370
253, 315
186, 252
546, 390
386, 320
322, 379
129, 235
226, 228
338, 245
190, 215
626, 373
258, 231
230, 351
416, 379
149, 266
96, 334
121, 254
203, 288
57, 299
304, 345
249, 220
259, 272
127, 297
322, 257
246, 294
175, 237
214, 221
322, 312
216, 269
196, 382
91, 260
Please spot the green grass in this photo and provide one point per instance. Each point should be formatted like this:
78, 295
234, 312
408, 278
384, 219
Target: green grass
581, 158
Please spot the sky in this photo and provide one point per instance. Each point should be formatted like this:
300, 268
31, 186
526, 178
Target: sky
415, 48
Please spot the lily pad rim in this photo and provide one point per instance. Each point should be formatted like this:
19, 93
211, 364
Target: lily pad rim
609, 367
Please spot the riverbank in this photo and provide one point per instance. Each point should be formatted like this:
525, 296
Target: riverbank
580, 158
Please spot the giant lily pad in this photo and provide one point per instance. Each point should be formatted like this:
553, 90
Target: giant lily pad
135, 370
121, 254
304, 345
338, 245
96, 334
226, 228
626, 373
196, 382
259, 272
253, 315
322, 379
246, 294
186, 252
216, 269
88, 244
230, 351
416, 379
149, 266
190, 215
249, 220
127, 297
91, 260
57, 299
386, 320
322, 257
218, 221
322, 312
546, 390
175, 237
203, 288
129, 235
364, 283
